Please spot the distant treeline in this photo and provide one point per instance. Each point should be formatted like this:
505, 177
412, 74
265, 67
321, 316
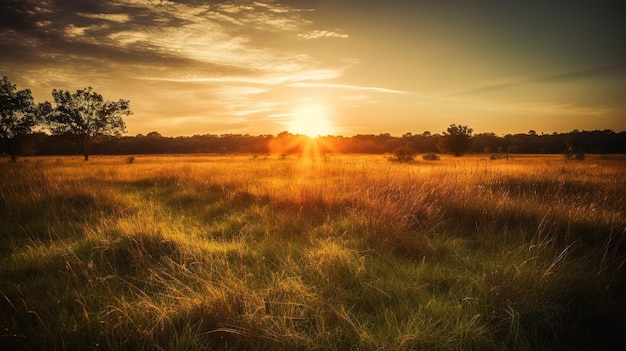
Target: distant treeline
597, 141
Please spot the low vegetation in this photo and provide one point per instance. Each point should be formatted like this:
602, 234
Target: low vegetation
336, 253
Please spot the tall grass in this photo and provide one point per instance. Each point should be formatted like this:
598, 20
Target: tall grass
344, 252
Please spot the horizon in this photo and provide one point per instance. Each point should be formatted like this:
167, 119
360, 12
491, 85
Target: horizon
402, 135
432, 133
263, 67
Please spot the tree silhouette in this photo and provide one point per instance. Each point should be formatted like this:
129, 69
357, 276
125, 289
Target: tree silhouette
457, 140
574, 146
86, 116
18, 114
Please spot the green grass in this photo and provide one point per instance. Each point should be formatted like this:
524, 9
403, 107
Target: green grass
343, 252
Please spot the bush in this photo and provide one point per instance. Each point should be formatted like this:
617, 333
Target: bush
404, 154
430, 157
574, 156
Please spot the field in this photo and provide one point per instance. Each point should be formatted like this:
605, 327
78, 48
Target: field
334, 253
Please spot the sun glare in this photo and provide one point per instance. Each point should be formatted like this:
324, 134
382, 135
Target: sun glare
310, 120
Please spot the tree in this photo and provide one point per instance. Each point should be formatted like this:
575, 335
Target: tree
18, 115
457, 140
482, 141
87, 117
574, 146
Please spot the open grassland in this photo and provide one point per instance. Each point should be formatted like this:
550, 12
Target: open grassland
337, 253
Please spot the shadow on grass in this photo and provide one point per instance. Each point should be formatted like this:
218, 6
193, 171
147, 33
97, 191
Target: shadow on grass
469, 220
56, 217
549, 188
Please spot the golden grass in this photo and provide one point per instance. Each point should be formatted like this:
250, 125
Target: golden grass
337, 252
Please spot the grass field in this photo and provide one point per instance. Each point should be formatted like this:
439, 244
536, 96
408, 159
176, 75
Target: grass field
337, 253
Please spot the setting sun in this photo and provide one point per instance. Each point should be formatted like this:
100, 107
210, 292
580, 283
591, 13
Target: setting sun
310, 120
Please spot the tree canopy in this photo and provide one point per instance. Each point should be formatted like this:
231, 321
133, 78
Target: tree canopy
18, 114
86, 116
457, 140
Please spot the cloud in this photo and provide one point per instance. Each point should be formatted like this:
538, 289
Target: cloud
618, 68
73, 31
316, 34
113, 17
171, 38
349, 87
183, 58
260, 16
281, 76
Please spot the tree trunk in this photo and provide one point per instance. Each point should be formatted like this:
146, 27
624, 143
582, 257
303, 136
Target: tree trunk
11, 149
86, 146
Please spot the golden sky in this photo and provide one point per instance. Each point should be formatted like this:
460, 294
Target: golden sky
339, 67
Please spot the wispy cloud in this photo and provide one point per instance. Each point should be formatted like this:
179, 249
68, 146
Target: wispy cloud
279, 77
214, 56
113, 17
316, 34
618, 68
564, 110
220, 34
163, 39
348, 87
268, 16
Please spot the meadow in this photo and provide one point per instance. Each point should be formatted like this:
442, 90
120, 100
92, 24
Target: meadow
339, 252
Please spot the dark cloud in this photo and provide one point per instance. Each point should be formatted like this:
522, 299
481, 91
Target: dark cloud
19, 15
79, 35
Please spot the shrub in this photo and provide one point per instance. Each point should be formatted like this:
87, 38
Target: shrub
430, 157
404, 154
574, 156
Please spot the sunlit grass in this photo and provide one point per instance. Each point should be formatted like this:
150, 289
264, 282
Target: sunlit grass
335, 252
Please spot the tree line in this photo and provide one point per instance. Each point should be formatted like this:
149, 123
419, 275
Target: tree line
598, 141
83, 123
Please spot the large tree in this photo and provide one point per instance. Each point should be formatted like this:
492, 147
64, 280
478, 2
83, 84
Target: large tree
87, 117
18, 114
457, 140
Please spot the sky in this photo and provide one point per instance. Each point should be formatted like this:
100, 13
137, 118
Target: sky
340, 67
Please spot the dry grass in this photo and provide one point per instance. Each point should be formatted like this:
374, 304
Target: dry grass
340, 252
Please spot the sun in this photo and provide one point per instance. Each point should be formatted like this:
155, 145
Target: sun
310, 120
